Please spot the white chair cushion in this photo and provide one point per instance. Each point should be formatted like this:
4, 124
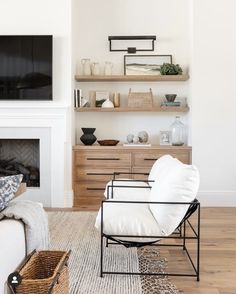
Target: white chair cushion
129, 194
127, 219
160, 166
180, 184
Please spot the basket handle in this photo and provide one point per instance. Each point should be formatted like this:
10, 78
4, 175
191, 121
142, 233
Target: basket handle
59, 271
22, 264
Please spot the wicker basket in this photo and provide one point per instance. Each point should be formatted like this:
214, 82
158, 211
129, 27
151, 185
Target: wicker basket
140, 99
44, 272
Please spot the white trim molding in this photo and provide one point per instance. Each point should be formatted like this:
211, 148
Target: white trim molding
217, 198
49, 125
68, 198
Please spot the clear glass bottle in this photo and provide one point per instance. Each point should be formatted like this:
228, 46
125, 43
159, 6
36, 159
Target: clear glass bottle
177, 132
108, 68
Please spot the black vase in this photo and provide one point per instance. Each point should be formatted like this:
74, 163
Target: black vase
88, 137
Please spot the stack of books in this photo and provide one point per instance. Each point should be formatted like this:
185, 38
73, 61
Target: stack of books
77, 98
175, 103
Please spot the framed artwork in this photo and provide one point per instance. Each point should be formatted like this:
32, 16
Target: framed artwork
165, 137
144, 64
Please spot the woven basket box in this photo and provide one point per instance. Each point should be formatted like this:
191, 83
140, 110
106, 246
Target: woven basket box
44, 272
140, 99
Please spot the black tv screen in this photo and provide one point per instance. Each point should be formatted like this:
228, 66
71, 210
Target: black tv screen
26, 67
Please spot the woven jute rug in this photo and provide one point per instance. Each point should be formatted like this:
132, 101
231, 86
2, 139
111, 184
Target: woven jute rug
76, 231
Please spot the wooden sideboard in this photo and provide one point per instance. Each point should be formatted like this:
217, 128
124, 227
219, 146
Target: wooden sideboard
93, 167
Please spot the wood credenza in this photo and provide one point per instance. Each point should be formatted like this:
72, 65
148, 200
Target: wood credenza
93, 167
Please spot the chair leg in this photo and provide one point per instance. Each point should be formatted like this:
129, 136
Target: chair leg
198, 245
184, 235
101, 258
106, 242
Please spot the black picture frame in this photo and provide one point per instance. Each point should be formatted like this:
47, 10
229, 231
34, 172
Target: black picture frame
149, 64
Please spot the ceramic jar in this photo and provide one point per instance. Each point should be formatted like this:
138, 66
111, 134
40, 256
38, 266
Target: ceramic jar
96, 69
86, 66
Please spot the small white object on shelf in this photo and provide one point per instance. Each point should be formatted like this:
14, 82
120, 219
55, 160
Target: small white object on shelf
107, 104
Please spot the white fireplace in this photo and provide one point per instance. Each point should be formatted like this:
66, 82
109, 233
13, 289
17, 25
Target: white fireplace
48, 125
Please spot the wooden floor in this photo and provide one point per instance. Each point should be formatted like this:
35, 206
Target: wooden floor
218, 254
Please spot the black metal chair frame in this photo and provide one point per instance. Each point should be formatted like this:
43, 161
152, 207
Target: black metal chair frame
180, 232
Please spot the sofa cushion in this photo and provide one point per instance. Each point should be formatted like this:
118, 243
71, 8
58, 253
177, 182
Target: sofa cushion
180, 184
160, 167
8, 187
12, 249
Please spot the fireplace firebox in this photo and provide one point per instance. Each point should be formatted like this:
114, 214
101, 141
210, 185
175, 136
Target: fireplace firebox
21, 156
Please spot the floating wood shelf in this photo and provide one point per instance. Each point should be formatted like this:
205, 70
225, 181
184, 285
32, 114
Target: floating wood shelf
129, 109
139, 78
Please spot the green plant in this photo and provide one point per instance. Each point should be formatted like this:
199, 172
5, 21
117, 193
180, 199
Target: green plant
170, 69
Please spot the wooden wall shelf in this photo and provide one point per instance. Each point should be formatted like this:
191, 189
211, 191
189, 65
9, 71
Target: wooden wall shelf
121, 78
129, 109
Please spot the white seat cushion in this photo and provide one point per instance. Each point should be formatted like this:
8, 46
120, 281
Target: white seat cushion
127, 219
129, 194
180, 184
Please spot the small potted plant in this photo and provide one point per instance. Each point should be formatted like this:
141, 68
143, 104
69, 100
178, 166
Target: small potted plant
170, 69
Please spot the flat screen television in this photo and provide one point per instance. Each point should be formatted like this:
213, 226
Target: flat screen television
26, 67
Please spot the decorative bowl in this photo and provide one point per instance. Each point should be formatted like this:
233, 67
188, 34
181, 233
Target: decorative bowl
170, 97
108, 142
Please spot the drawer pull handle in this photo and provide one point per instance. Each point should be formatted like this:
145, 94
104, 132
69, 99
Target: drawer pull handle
95, 189
150, 159
99, 174
94, 158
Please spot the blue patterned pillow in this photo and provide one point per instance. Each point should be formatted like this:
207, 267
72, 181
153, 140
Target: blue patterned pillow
8, 187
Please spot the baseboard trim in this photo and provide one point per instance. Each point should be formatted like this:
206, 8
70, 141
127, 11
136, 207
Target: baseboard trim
68, 198
217, 198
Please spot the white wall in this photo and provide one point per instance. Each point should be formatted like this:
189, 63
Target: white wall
211, 56
95, 21
214, 99
53, 18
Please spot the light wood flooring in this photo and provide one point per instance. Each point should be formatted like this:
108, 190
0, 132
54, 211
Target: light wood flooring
218, 254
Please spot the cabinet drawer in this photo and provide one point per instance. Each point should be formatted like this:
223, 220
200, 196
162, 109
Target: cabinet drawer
147, 159
141, 170
89, 190
97, 174
104, 159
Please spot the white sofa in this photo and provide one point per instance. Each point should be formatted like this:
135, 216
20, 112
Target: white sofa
12, 249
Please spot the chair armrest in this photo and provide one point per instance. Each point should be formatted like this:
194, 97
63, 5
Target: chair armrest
124, 186
150, 202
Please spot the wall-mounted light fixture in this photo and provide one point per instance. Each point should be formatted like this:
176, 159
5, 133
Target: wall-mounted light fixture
136, 39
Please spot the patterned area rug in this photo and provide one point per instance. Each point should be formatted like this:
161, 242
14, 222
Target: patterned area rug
76, 231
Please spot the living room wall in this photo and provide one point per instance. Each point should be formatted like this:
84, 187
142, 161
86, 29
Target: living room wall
46, 17
93, 22
197, 33
213, 100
